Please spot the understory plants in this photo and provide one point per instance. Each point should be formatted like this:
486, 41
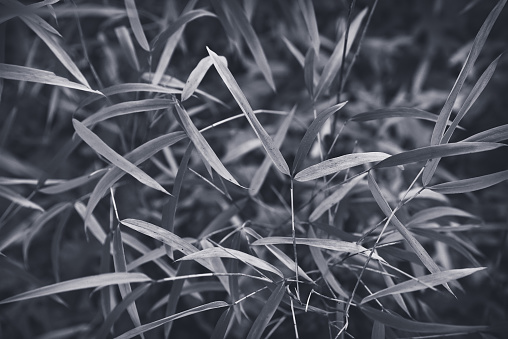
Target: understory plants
252, 169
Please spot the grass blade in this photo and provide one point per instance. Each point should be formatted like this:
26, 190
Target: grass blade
79, 284
123, 36
335, 198
311, 133
240, 98
197, 76
495, 134
19, 199
127, 107
198, 309
308, 71
68, 185
137, 29
116, 159
397, 112
174, 295
309, 17
400, 323
266, 313
242, 24
202, 146
437, 151
294, 51
22, 73
219, 332
423, 282
338, 164
438, 212
219, 252
471, 184
334, 62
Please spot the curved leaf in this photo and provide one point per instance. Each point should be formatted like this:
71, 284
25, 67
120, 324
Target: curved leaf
123, 36
19, 199
496, 134
438, 212
197, 76
471, 184
395, 112
335, 165
132, 14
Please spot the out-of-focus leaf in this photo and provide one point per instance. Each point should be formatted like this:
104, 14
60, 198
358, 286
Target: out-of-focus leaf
222, 219
72, 183
471, 184
400, 323
378, 330
335, 197
309, 71
334, 62
437, 151
127, 107
198, 309
240, 98
219, 332
309, 17
202, 145
338, 164
438, 212
396, 112
234, 254
79, 284
444, 115
103, 149
22, 73
423, 282
19, 199
311, 133
296, 53
495, 134
242, 24
123, 36
174, 295
266, 313
137, 29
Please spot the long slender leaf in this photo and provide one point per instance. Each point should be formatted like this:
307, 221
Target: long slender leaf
123, 36
400, 323
219, 332
311, 133
496, 134
194, 79
335, 198
202, 145
471, 184
240, 98
147, 327
133, 15
338, 164
68, 185
309, 17
103, 149
423, 282
79, 284
19, 199
395, 112
266, 313
22, 73
437, 151
438, 212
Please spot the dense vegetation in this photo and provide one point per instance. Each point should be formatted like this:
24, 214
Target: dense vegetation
253, 169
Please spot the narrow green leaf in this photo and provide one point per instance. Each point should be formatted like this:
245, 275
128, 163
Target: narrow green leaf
438, 212
329, 244
219, 252
266, 313
437, 151
471, 184
79, 284
202, 145
137, 29
123, 36
127, 107
240, 98
415, 245
400, 323
444, 115
242, 24
335, 197
103, 149
198, 309
423, 282
22, 73
338, 164
262, 171
333, 65
496, 134
19, 199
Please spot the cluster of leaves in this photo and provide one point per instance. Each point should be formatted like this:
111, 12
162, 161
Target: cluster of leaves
212, 224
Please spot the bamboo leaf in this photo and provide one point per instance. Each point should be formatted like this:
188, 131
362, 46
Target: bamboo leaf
137, 29
103, 149
311, 133
471, 184
423, 282
266, 313
127, 107
79, 284
496, 134
240, 98
338, 164
242, 24
438, 212
22, 73
219, 252
202, 145
294, 51
396, 112
335, 197
307, 9
197, 76
437, 151
333, 65
198, 309
68, 185
400, 323
19, 199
